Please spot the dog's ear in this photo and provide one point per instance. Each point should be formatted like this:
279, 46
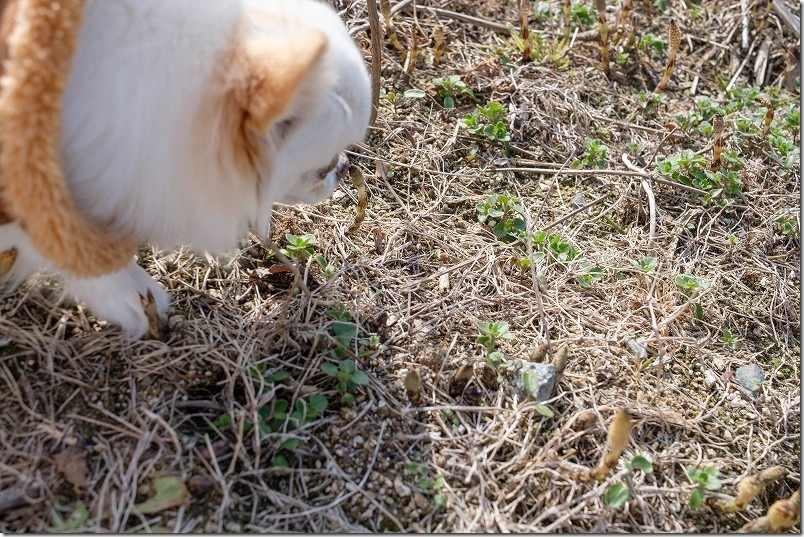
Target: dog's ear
275, 71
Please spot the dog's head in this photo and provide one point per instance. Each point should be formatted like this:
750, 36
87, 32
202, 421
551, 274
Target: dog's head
305, 96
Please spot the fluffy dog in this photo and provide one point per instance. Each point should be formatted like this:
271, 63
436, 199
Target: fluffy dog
178, 122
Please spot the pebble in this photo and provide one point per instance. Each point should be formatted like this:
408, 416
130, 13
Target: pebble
544, 376
750, 377
401, 489
710, 378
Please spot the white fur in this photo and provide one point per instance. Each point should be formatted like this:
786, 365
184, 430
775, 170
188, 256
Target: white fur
134, 157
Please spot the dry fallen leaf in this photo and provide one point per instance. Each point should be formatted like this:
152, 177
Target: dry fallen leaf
170, 492
413, 387
459, 381
7, 259
72, 464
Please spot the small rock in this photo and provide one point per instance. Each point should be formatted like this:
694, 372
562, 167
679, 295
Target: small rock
750, 377
584, 419
198, 485
710, 378
543, 378
401, 489
419, 500
578, 201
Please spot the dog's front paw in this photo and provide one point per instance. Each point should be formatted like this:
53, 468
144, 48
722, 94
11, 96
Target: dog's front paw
129, 298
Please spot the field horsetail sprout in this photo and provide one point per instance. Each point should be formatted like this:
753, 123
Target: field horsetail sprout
619, 435
782, 515
600, 5
438, 44
567, 16
717, 145
768, 115
675, 40
623, 21
750, 487
385, 8
524, 14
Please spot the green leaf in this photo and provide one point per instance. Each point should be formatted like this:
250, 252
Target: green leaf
169, 492
344, 332
544, 410
641, 462
74, 524
713, 483
348, 399
414, 93
223, 422
616, 495
330, 369
696, 498
449, 102
290, 444
360, 378
694, 474
530, 382
279, 461
278, 376
318, 403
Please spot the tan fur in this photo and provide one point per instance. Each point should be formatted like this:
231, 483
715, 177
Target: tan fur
258, 82
33, 188
262, 80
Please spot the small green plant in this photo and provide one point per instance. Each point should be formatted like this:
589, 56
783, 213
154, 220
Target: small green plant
274, 414
722, 186
728, 338
450, 88
300, 246
542, 12
426, 482
348, 377
543, 50
491, 333
595, 155
489, 120
505, 214
706, 479
396, 98
646, 264
789, 225
649, 102
559, 249
75, 523
583, 15
590, 274
618, 493
650, 41
693, 286
327, 269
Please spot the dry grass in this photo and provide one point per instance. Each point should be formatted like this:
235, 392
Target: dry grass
418, 274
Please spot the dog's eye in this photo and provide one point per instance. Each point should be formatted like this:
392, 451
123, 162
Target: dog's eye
283, 128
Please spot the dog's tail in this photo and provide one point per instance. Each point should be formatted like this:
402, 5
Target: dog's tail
33, 189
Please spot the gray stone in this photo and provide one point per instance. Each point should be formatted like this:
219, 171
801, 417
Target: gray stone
579, 201
750, 377
543, 379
